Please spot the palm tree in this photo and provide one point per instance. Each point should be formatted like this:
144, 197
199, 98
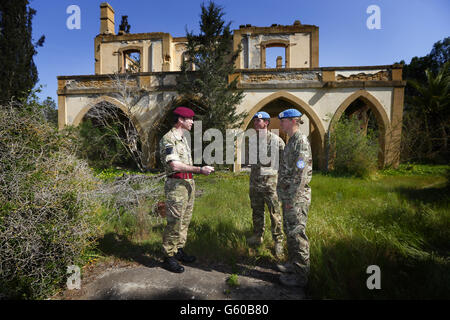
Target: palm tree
432, 104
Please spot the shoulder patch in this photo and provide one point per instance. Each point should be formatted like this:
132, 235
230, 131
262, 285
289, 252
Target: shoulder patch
300, 164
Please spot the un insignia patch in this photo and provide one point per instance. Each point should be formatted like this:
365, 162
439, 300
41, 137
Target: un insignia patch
300, 164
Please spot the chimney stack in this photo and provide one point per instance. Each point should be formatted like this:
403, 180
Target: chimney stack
279, 62
106, 18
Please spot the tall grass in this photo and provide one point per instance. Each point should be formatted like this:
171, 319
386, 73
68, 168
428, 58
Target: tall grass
398, 223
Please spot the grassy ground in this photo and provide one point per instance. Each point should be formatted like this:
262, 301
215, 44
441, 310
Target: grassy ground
398, 220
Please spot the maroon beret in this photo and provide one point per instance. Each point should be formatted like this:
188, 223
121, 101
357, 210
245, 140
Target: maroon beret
184, 112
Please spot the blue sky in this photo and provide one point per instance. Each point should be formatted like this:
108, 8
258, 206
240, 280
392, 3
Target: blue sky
408, 28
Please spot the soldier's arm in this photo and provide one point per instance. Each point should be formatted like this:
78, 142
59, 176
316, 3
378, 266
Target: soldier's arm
302, 164
281, 147
179, 166
284, 174
170, 156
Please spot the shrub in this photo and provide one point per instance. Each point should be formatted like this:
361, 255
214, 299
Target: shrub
100, 147
354, 153
130, 202
233, 280
45, 202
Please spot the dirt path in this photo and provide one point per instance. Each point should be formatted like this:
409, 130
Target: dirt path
119, 280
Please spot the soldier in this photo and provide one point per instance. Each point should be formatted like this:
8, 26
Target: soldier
294, 192
179, 188
263, 187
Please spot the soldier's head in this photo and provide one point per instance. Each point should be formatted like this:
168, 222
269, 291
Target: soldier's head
183, 118
290, 120
261, 120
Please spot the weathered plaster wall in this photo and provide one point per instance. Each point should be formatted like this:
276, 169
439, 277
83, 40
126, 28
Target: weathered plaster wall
300, 50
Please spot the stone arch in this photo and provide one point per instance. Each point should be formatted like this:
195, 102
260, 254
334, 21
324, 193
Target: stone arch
115, 102
134, 120
305, 108
379, 112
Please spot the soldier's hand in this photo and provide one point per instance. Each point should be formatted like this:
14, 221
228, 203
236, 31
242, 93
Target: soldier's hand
206, 170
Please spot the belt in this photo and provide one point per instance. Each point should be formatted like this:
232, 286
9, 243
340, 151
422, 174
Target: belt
181, 175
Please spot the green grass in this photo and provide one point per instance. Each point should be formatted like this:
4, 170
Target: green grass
233, 280
400, 223
397, 220
111, 173
408, 169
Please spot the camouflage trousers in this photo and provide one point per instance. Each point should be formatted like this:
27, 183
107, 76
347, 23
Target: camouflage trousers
295, 215
180, 195
259, 196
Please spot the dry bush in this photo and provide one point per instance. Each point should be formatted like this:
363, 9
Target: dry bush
45, 205
51, 204
131, 194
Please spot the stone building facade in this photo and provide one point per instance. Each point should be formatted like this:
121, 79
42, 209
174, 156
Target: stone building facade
323, 94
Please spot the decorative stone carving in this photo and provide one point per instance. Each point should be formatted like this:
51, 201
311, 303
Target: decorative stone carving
383, 75
278, 76
107, 83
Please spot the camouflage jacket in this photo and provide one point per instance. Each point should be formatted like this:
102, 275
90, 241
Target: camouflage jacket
174, 147
295, 171
264, 174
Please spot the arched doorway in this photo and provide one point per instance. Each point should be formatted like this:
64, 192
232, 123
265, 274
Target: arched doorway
371, 113
112, 134
313, 128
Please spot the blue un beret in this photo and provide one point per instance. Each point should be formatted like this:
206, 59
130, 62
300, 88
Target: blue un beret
261, 115
289, 113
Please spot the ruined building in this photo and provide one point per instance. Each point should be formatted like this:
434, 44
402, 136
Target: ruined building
323, 94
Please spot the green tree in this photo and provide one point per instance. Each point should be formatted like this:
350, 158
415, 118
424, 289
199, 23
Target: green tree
205, 71
18, 74
434, 61
439, 55
424, 134
50, 111
431, 105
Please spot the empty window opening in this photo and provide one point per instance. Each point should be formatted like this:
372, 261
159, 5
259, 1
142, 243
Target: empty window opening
132, 61
276, 57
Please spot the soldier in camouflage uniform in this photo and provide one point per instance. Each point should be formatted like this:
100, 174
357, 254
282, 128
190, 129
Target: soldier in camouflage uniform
263, 186
179, 188
294, 192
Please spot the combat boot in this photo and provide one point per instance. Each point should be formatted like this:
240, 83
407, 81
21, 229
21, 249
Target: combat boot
279, 250
255, 240
172, 265
293, 280
182, 256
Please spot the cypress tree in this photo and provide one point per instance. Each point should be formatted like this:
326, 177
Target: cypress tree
18, 73
205, 71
